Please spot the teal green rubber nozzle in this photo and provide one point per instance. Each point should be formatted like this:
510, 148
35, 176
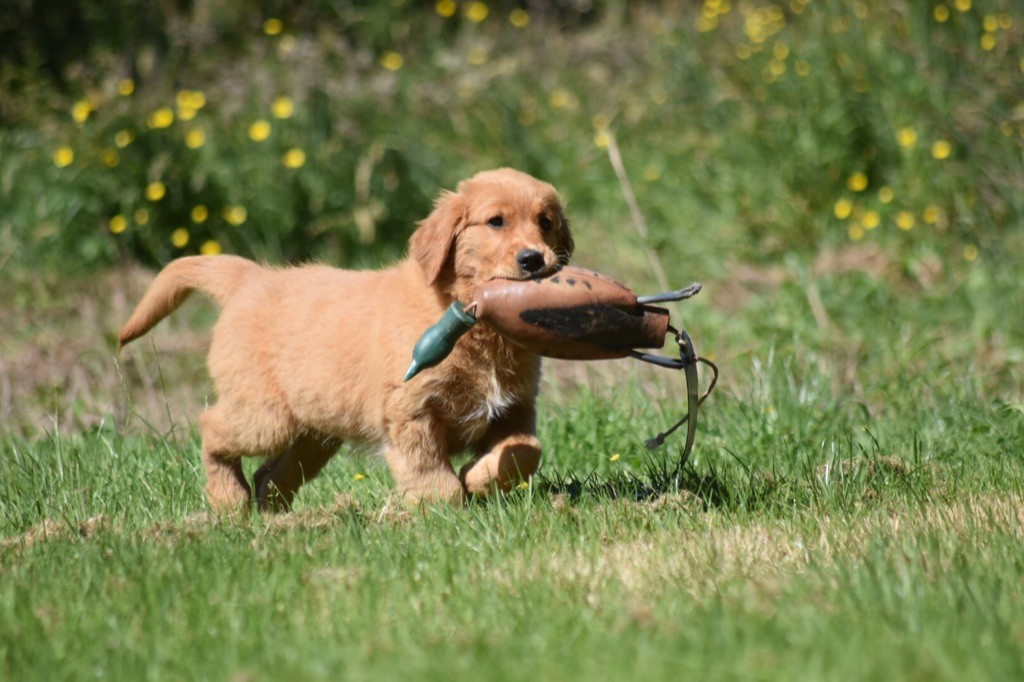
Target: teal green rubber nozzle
439, 339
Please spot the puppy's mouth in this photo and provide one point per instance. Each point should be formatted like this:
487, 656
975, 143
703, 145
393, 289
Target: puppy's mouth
521, 276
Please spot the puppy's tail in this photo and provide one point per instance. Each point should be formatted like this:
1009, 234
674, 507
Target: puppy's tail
217, 276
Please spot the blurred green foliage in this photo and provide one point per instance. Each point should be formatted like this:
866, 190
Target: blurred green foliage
323, 129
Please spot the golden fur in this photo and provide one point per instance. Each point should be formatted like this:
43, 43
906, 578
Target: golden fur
304, 358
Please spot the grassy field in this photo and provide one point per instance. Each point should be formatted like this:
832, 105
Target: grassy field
810, 539
844, 178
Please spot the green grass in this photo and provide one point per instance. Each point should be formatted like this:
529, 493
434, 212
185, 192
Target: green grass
853, 507
808, 539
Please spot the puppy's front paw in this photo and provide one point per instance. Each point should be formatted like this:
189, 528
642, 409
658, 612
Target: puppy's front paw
435, 490
509, 463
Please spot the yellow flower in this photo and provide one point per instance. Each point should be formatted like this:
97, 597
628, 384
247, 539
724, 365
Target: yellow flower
963, 5
941, 14
125, 87
614, 458
272, 27
905, 220
652, 173
186, 114
283, 107
856, 232
117, 224
870, 220
885, 195
259, 131
1005, 21
523, 485
931, 214
392, 61
941, 149
359, 477
477, 12
843, 209
990, 23
802, 68
110, 158
161, 118
560, 98
603, 139
195, 138
294, 158
200, 213
780, 51
235, 215
180, 238
907, 138
141, 216
190, 99
970, 253
80, 111
155, 191
210, 247
988, 42
63, 157
857, 182
446, 8
519, 18
123, 138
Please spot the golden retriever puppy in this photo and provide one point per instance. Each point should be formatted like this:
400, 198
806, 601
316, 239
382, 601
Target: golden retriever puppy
305, 358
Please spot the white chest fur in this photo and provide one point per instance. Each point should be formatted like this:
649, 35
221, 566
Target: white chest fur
483, 407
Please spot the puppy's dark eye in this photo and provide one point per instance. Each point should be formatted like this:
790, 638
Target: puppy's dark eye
545, 223
497, 222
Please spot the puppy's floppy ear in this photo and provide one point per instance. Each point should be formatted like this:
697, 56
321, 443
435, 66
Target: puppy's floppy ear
565, 241
432, 241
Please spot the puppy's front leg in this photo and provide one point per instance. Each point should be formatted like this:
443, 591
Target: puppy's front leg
418, 457
511, 454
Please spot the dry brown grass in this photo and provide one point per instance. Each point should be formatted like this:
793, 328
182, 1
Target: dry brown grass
718, 552
58, 366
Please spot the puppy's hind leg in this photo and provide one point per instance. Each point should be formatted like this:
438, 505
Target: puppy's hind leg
226, 487
231, 431
280, 477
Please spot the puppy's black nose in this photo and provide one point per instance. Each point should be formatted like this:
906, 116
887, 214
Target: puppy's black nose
530, 260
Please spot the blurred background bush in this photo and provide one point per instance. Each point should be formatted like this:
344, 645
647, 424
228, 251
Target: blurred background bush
846, 177
141, 131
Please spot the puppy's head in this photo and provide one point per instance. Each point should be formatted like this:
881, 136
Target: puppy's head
499, 224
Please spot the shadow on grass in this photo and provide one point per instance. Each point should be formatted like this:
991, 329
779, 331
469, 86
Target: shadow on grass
840, 484
657, 480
